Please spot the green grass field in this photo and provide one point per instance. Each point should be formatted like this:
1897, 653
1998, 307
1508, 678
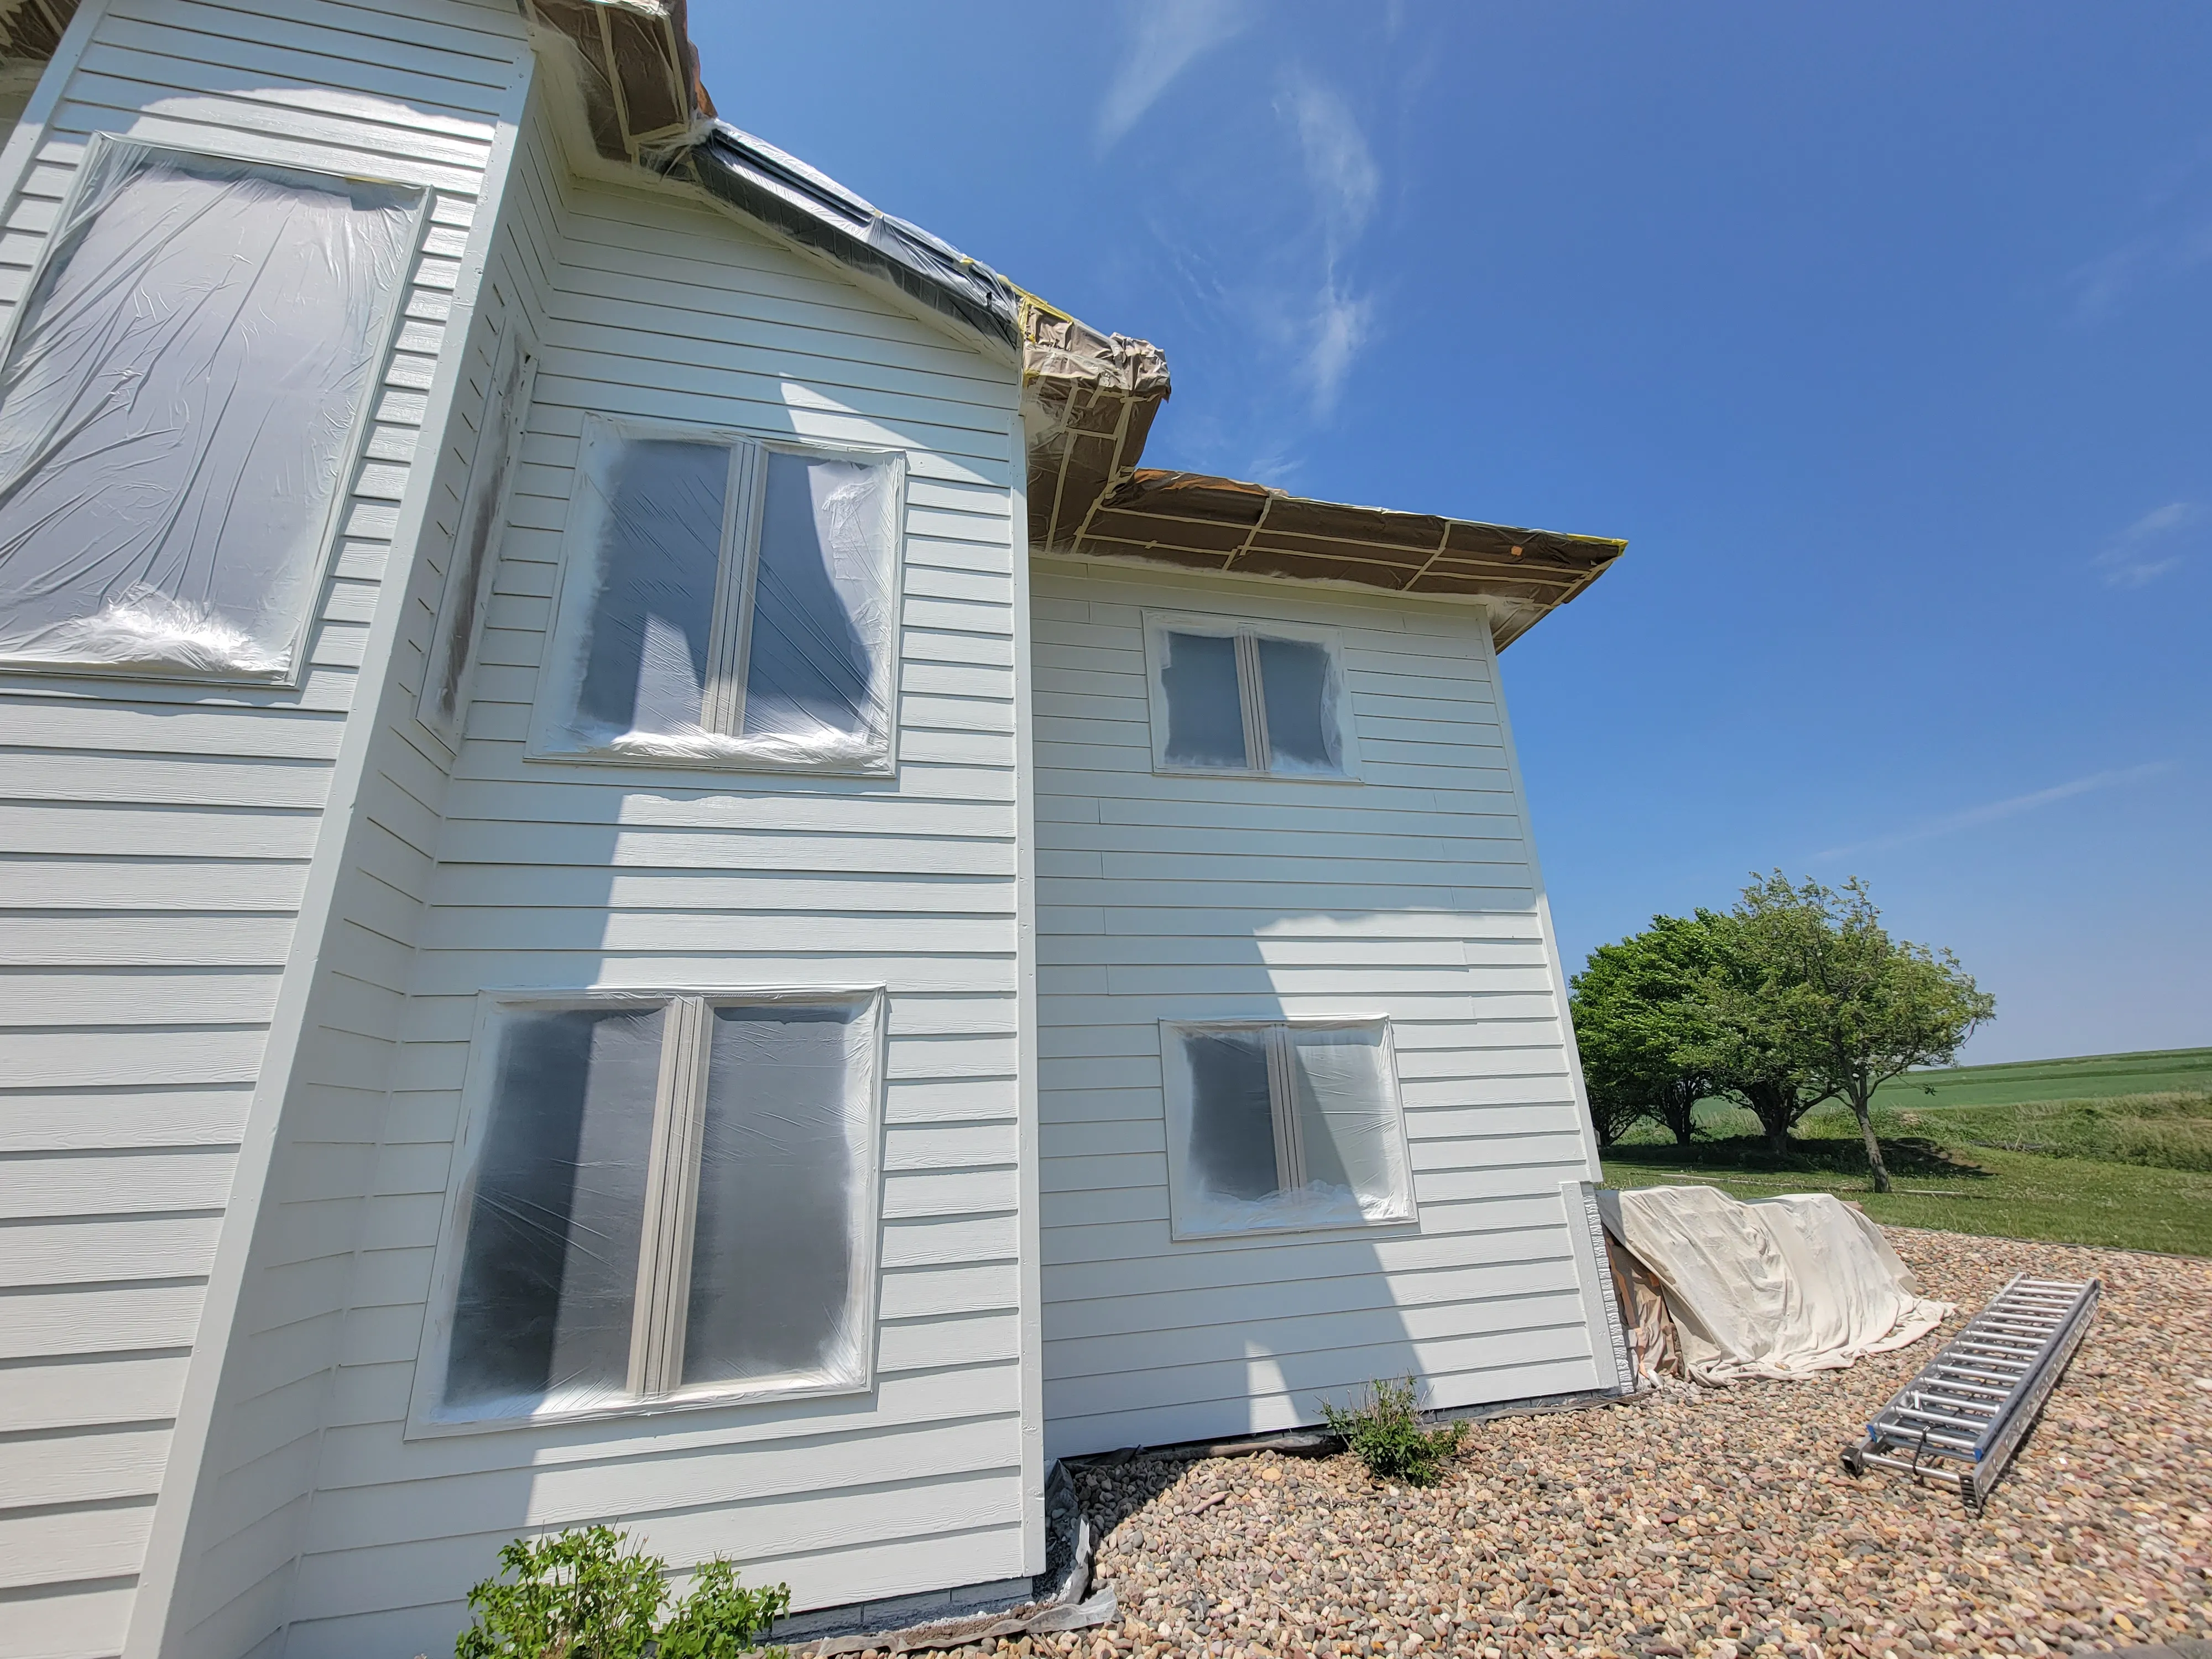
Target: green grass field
2088, 1077
2109, 1149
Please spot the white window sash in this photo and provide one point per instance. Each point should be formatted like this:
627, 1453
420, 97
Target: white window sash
1292, 1166
733, 612
654, 1382
1247, 633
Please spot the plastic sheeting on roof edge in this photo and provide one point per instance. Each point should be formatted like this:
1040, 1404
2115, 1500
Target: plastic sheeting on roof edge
817, 212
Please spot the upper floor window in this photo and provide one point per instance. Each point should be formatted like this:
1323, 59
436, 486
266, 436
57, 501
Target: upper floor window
726, 601
667, 1200
1283, 1124
1247, 697
180, 406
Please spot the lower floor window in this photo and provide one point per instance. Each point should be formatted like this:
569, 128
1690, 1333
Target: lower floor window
668, 1200
1283, 1124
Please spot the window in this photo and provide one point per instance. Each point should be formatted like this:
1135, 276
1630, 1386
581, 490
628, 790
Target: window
669, 1201
1289, 1124
726, 601
1247, 697
474, 561
180, 406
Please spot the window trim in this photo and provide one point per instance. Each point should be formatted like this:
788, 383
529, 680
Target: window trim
1179, 1108
323, 561
559, 669
662, 1290
516, 340
1247, 631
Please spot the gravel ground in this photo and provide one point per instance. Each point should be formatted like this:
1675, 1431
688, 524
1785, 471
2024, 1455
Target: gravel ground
1713, 1523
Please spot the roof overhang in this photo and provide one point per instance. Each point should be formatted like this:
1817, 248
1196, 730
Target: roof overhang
1195, 522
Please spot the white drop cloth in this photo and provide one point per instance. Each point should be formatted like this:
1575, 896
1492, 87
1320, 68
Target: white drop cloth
1781, 1287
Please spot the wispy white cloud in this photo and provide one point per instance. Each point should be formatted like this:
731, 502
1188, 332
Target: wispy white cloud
2148, 548
1338, 165
1341, 170
1169, 36
1992, 811
2105, 283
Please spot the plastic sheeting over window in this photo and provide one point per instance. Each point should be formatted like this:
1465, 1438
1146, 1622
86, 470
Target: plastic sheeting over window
1283, 1124
672, 1200
179, 409
549, 1275
473, 563
1230, 696
727, 603
783, 1148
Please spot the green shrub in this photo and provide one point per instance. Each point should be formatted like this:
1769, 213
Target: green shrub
1382, 1429
589, 1594
721, 1617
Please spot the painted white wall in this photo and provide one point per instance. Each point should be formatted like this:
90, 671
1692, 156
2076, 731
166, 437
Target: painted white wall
1413, 893
573, 874
164, 840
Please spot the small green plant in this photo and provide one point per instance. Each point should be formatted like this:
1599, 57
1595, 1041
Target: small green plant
590, 1594
1382, 1428
721, 1617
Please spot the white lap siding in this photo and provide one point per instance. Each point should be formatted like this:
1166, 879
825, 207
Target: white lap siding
160, 839
1412, 893
575, 874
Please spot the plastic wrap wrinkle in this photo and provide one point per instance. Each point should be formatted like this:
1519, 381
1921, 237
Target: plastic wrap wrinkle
781, 1238
179, 404
1348, 1118
659, 555
549, 1275
1232, 1152
818, 666
1299, 689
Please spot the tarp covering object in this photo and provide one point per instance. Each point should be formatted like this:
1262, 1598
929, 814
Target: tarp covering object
1779, 1288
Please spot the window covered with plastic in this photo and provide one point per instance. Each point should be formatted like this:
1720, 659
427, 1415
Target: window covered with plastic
1291, 1124
474, 561
1250, 698
180, 406
727, 602
668, 1200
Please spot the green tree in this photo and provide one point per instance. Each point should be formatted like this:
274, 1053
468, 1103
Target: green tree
1856, 1006
1638, 1010
1748, 1045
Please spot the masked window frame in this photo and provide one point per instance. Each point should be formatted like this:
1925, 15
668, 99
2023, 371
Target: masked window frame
516, 354
319, 562
678, 1091
1249, 632
1185, 1203
732, 609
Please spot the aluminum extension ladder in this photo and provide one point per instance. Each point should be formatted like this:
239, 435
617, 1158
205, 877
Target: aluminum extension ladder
1962, 1419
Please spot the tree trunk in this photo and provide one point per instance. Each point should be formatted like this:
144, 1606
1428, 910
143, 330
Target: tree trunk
1862, 1109
1778, 1141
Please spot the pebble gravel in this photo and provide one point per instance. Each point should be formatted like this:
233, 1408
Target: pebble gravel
1711, 1523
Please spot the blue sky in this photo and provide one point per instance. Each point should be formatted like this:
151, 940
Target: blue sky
1883, 333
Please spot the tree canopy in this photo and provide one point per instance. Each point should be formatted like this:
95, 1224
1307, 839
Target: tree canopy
1795, 996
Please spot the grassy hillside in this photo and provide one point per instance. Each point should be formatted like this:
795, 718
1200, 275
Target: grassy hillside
2087, 1077
2109, 1149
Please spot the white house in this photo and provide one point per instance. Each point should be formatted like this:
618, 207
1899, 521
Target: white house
647, 879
